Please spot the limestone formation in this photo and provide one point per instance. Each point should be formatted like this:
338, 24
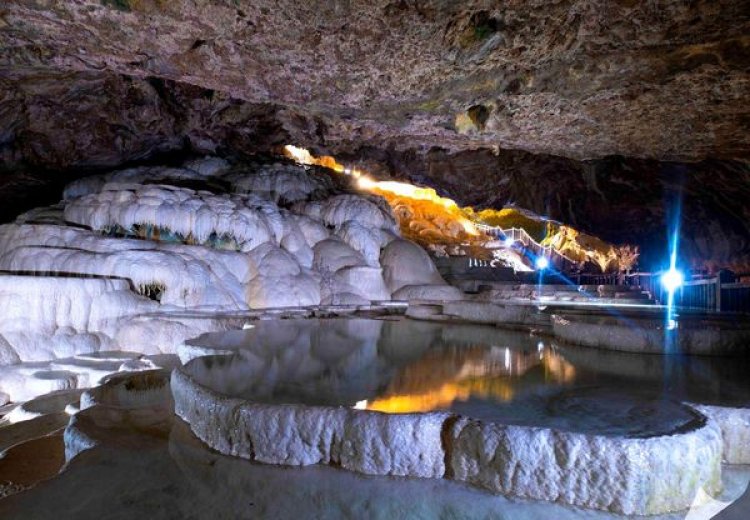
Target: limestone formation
227, 403
588, 112
127, 256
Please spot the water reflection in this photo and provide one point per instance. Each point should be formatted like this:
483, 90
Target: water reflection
483, 372
443, 376
394, 366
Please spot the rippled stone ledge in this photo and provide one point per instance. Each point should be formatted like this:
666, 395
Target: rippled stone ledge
640, 331
696, 335
621, 474
735, 431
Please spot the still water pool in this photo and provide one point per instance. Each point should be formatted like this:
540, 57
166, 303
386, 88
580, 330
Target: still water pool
402, 366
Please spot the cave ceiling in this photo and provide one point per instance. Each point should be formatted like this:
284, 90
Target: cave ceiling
592, 112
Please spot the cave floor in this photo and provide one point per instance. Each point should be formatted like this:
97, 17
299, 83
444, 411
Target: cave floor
165, 472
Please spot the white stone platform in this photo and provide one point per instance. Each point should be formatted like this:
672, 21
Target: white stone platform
620, 474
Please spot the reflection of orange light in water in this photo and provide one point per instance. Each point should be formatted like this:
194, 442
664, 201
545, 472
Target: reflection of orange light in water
439, 398
425, 395
556, 366
443, 397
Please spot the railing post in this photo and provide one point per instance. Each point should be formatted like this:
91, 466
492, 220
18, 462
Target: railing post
718, 293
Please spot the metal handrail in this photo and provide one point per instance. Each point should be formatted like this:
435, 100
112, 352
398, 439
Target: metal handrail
522, 236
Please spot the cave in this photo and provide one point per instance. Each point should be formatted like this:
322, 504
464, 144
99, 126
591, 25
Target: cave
394, 259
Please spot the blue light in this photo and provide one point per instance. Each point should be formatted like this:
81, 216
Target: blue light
672, 280
508, 241
541, 263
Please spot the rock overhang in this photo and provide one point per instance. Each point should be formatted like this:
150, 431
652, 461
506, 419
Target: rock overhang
579, 79
588, 112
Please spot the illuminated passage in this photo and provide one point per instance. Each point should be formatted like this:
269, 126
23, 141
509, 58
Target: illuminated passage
439, 222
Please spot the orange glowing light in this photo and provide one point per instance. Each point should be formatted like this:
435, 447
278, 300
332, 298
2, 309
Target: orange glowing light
429, 219
423, 215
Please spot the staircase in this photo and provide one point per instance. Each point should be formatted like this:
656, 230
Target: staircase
519, 235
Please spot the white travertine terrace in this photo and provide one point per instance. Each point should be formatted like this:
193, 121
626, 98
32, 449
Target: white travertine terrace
191, 276
634, 476
661, 467
266, 236
249, 220
25, 381
127, 259
370, 443
699, 336
325, 248
129, 390
626, 475
195, 170
54, 402
229, 400
54, 317
638, 330
406, 264
735, 431
213, 485
241, 250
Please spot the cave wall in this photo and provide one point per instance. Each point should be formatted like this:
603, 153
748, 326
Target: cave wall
590, 112
622, 200
61, 120
58, 127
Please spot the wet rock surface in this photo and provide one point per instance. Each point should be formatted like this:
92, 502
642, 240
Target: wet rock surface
125, 449
139, 466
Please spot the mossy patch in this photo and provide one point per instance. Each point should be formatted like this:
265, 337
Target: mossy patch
482, 32
480, 27
120, 5
146, 6
430, 106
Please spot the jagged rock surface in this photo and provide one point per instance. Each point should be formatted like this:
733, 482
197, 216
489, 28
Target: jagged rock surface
578, 78
97, 84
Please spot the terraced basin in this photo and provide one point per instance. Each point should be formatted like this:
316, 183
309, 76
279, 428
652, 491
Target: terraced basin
503, 411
